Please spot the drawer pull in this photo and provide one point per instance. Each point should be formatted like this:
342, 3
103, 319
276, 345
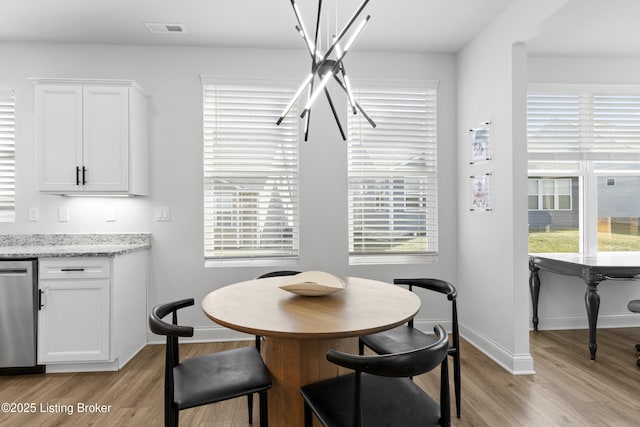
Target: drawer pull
72, 269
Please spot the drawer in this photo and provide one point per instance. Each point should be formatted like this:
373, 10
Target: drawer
74, 268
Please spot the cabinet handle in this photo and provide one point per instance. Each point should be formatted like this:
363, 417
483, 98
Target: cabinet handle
77, 175
84, 176
40, 305
72, 269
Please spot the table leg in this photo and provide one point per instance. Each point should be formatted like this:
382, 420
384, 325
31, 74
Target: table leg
293, 363
592, 302
534, 289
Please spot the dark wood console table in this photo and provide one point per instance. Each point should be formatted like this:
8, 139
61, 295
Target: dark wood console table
592, 269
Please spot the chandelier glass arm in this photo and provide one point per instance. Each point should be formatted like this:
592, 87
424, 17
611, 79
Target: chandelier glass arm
358, 106
335, 114
324, 58
335, 67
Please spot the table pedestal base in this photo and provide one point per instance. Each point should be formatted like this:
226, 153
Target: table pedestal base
294, 363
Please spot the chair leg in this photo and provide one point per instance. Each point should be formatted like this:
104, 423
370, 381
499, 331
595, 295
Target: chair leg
250, 407
171, 417
264, 410
360, 348
445, 402
308, 416
456, 380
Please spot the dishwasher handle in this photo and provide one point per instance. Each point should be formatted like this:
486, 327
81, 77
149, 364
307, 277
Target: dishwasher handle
13, 272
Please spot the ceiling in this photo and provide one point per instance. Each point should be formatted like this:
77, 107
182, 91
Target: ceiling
581, 27
395, 25
591, 28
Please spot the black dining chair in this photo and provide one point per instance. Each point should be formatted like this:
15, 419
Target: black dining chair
380, 392
406, 337
276, 273
210, 378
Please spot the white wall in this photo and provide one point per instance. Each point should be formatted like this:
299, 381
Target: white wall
492, 248
172, 78
561, 304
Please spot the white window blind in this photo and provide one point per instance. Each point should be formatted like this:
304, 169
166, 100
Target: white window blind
583, 123
7, 156
250, 173
393, 207
590, 134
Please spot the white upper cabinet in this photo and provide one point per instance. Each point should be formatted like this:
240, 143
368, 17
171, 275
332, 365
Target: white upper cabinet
92, 137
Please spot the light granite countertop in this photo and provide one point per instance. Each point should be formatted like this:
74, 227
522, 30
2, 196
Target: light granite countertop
71, 245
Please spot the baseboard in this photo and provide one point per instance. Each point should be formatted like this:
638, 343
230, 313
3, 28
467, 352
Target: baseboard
83, 367
206, 334
427, 325
550, 323
131, 356
516, 364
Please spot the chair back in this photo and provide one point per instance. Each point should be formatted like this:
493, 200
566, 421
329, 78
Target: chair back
278, 274
172, 356
436, 285
171, 330
405, 364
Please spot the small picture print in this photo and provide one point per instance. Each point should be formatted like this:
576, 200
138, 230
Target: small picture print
481, 196
480, 143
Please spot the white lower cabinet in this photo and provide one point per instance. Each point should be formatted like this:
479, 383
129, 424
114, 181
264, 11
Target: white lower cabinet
92, 311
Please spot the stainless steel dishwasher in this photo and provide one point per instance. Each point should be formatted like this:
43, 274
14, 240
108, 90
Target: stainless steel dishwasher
18, 316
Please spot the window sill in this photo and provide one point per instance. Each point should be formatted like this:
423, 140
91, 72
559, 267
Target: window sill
251, 262
392, 259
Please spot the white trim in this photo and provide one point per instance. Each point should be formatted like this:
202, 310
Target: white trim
250, 262
592, 88
392, 259
606, 321
516, 364
85, 81
397, 83
209, 80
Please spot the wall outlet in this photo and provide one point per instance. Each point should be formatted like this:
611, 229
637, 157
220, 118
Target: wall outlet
34, 214
163, 214
63, 214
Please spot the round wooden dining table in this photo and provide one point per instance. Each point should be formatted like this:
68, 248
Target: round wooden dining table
300, 329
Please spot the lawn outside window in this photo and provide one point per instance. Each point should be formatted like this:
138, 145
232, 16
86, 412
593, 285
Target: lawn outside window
590, 135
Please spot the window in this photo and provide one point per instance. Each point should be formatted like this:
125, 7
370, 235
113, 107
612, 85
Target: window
584, 168
250, 173
550, 194
392, 188
7, 156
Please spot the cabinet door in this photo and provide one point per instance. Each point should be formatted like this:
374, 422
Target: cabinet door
74, 321
59, 136
106, 138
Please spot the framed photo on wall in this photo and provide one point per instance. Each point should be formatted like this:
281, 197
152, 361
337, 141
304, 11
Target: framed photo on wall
481, 193
480, 143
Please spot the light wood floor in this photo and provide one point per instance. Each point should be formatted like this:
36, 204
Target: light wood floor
568, 389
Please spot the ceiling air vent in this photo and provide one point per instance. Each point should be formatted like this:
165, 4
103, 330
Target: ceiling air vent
160, 28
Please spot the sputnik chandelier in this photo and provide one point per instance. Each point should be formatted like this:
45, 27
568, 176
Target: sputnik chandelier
327, 66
